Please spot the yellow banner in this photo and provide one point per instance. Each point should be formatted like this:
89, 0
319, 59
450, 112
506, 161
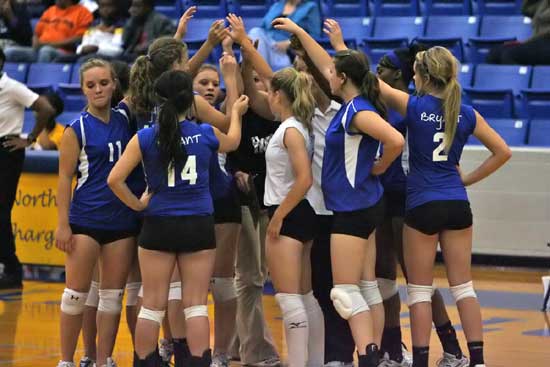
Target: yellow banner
34, 219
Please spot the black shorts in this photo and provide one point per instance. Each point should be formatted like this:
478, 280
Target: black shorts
228, 209
103, 236
299, 224
394, 202
359, 223
188, 233
439, 215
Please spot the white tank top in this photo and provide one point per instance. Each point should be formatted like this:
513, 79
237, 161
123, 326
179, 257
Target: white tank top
280, 178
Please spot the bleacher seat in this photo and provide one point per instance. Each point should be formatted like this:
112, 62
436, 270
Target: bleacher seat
536, 99
205, 8
44, 76
72, 96
390, 33
502, 7
447, 7
496, 30
17, 71
513, 131
539, 133
465, 75
75, 74
354, 30
169, 10
396, 7
495, 87
347, 8
249, 8
67, 117
28, 121
451, 32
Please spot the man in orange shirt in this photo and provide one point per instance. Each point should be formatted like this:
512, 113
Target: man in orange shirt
57, 33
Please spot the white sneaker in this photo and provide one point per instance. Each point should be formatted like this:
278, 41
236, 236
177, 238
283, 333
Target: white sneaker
338, 364
385, 361
407, 356
65, 364
86, 362
166, 350
110, 363
220, 360
449, 360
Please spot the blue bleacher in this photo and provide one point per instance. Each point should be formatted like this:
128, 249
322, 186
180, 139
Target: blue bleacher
72, 96
75, 74
513, 131
465, 75
205, 8
67, 117
536, 99
347, 8
28, 121
495, 87
17, 71
500, 7
539, 133
44, 77
249, 8
169, 10
396, 7
451, 32
447, 7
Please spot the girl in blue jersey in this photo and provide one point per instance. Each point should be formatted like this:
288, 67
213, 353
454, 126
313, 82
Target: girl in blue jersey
227, 217
94, 223
178, 224
350, 184
396, 69
437, 207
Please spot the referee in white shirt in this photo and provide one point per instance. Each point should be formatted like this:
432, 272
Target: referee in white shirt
14, 97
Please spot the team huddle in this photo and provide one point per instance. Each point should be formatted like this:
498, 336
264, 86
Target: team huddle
326, 150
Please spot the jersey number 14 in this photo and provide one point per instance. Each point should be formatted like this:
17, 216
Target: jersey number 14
188, 173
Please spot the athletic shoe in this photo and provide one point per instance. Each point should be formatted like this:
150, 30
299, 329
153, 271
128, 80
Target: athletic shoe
166, 350
269, 362
220, 360
338, 364
65, 364
86, 362
407, 356
385, 361
449, 360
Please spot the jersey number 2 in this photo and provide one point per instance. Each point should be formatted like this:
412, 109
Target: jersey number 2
188, 173
112, 150
439, 154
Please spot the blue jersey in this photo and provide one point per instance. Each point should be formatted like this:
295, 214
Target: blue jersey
395, 178
184, 189
94, 205
433, 174
222, 183
347, 162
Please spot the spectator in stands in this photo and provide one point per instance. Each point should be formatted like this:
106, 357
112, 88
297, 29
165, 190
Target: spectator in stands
144, 26
274, 44
14, 97
534, 51
57, 33
15, 26
103, 40
50, 137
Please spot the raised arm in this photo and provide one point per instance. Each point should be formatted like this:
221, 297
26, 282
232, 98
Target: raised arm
500, 152
216, 34
395, 99
181, 31
333, 31
257, 99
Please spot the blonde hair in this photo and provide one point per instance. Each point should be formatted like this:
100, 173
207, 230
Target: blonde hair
297, 87
161, 56
208, 67
95, 63
441, 67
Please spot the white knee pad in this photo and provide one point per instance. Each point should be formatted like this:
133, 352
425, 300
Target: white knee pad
223, 289
110, 301
388, 288
347, 300
152, 315
419, 293
195, 311
132, 290
465, 290
73, 302
174, 293
370, 292
93, 295
290, 304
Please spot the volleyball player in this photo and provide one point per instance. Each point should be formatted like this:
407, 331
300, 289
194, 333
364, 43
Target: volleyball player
350, 184
227, 216
437, 207
94, 223
178, 224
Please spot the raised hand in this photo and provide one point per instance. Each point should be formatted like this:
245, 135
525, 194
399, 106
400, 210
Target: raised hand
238, 31
333, 31
217, 32
228, 65
285, 24
184, 20
241, 105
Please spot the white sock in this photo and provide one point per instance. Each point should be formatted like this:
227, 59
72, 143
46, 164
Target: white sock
316, 342
296, 327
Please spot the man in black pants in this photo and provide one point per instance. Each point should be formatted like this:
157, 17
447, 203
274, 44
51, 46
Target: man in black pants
14, 97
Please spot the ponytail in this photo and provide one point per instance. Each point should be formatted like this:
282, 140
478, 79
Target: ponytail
303, 106
141, 90
370, 90
451, 109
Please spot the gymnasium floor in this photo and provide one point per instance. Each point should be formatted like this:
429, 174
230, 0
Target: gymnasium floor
517, 334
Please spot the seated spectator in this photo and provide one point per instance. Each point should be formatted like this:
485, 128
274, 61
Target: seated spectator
144, 26
50, 137
534, 51
15, 26
58, 32
273, 44
103, 40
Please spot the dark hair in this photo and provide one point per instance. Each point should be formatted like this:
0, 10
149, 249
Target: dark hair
403, 59
355, 65
2, 59
174, 91
57, 103
122, 71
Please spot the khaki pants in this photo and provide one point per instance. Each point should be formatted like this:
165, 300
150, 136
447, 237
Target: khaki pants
256, 342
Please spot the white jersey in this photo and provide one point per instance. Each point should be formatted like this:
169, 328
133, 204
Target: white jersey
321, 121
280, 177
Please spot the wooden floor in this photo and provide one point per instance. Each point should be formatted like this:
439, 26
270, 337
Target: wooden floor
517, 333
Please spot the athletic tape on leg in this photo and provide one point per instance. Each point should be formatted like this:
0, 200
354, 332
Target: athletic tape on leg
73, 302
195, 311
370, 292
419, 293
152, 315
347, 300
132, 290
174, 293
461, 291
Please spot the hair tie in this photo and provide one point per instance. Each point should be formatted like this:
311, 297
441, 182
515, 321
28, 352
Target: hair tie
148, 57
